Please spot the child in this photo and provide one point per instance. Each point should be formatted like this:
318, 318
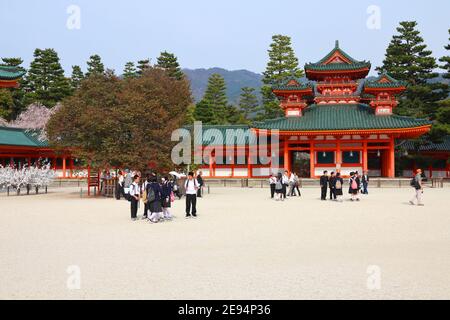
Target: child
338, 184
135, 193
354, 186
154, 200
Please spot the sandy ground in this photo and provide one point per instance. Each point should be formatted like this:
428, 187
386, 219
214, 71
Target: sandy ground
242, 246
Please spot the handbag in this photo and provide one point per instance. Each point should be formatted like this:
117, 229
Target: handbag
172, 197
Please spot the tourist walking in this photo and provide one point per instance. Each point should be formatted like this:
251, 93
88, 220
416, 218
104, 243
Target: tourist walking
119, 185
338, 185
285, 183
191, 187
365, 182
324, 185
291, 192
332, 185
296, 184
353, 189
279, 187
154, 196
200, 184
167, 197
416, 183
144, 196
134, 196
272, 183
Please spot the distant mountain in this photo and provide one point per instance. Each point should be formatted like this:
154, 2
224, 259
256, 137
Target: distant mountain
237, 79
234, 80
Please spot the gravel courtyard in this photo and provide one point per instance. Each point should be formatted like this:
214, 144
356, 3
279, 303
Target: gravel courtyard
242, 246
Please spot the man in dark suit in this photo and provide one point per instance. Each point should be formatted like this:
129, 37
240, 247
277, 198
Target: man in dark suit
365, 182
332, 184
324, 185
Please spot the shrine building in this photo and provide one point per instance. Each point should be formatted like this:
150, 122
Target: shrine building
336, 121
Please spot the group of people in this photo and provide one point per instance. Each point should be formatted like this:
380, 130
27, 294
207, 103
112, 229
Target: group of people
334, 182
158, 194
280, 183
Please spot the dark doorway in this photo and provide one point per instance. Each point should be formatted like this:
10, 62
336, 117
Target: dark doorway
301, 163
374, 162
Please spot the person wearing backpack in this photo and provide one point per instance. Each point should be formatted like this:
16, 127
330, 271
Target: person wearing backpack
338, 183
128, 180
279, 187
191, 186
354, 186
154, 199
324, 185
416, 183
134, 196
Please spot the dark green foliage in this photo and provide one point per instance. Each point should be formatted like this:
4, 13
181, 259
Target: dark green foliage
95, 66
168, 62
45, 82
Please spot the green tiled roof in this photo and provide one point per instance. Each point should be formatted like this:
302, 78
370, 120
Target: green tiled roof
444, 145
20, 137
354, 65
337, 66
10, 73
240, 132
393, 83
340, 117
301, 86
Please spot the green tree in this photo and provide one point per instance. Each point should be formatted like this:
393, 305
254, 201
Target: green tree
168, 61
130, 70
142, 65
248, 103
17, 94
235, 116
45, 82
204, 113
122, 122
215, 99
95, 65
446, 61
76, 77
6, 104
282, 64
408, 59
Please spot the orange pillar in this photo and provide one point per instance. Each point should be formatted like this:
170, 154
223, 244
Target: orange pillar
391, 159
249, 164
286, 155
338, 155
364, 156
64, 166
311, 160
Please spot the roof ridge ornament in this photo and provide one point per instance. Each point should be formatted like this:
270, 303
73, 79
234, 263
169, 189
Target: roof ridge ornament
336, 44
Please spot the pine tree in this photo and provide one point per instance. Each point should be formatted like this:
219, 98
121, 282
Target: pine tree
142, 65
234, 115
76, 77
95, 66
11, 111
282, 65
215, 99
6, 104
408, 59
168, 61
204, 113
248, 102
129, 71
45, 82
446, 61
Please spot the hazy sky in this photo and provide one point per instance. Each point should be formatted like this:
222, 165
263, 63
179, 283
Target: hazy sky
232, 34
